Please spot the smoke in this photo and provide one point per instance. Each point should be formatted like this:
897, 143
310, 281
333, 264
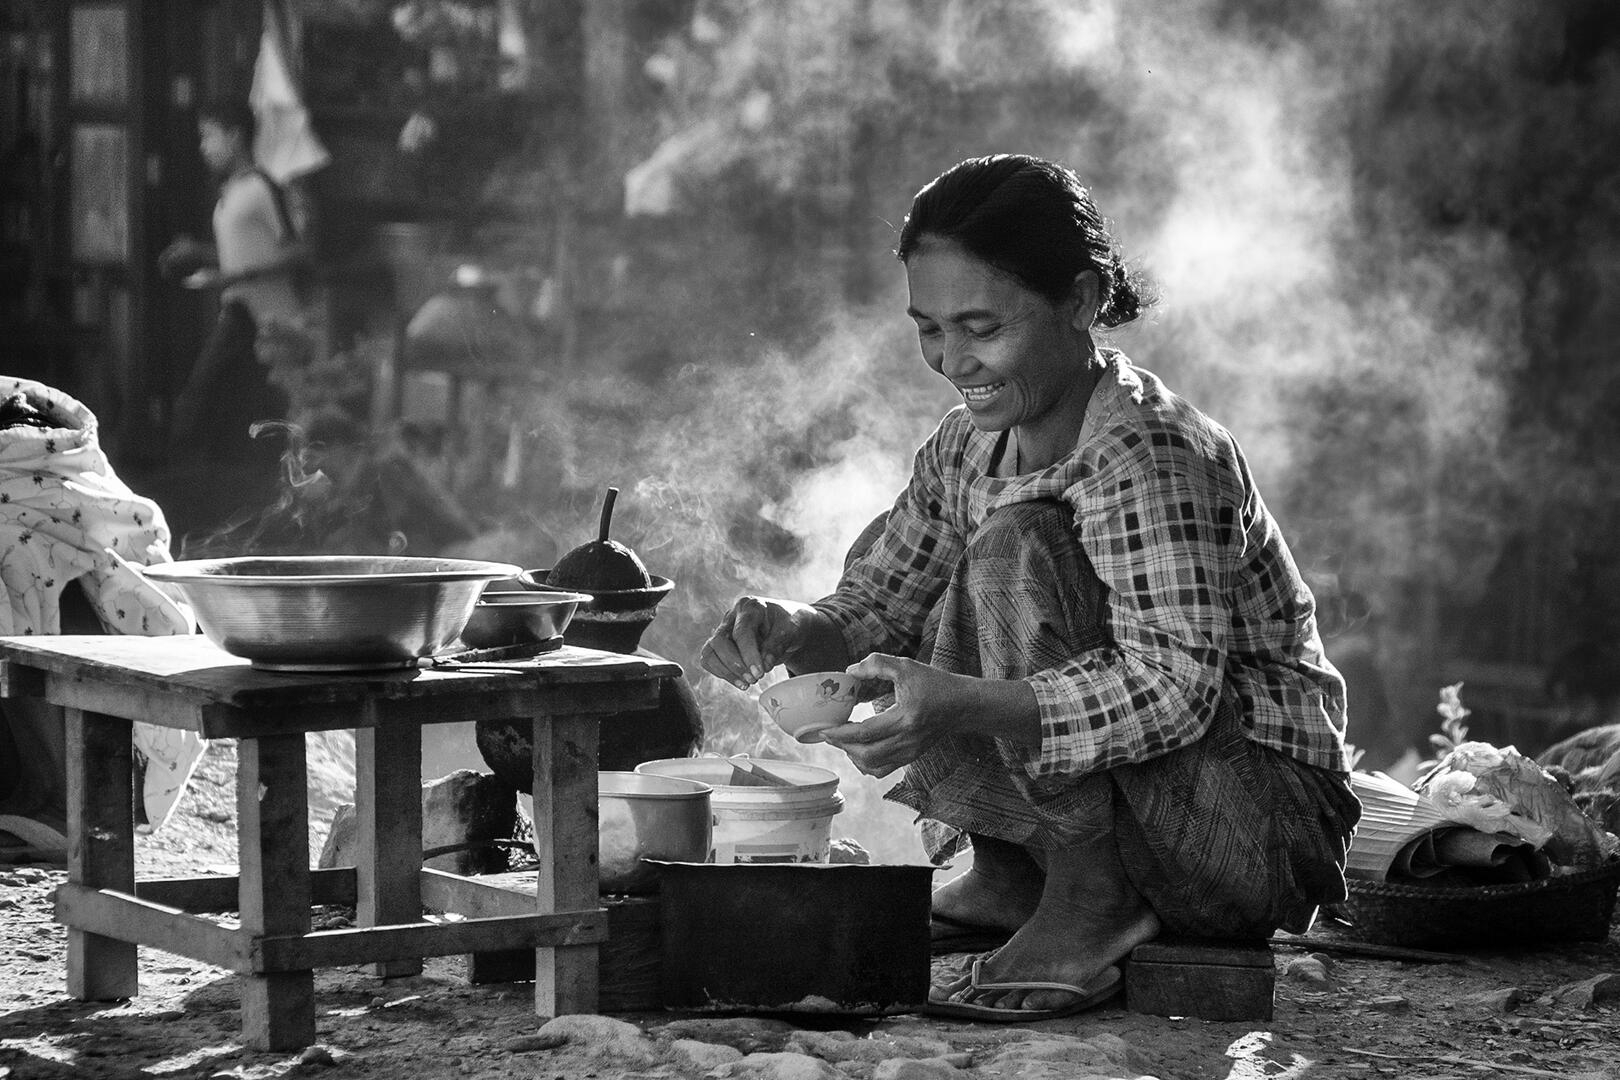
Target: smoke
749, 476
1310, 185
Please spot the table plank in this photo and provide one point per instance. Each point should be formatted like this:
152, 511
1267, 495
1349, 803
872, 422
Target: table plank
221, 893
412, 941
101, 849
565, 765
388, 832
272, 814
159, 926
186, 682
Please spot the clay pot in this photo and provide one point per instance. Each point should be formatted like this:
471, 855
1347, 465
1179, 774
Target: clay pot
612, 620
672, 728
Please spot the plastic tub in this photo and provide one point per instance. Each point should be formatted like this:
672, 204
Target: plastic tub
756, 823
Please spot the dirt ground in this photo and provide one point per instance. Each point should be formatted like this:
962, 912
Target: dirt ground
1547, 1012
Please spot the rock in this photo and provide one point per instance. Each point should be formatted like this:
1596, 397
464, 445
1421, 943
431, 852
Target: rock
1052, 1057
779, 1066
1389, 1003
604, 1035
748, 1034
934, 1068
461, 807
704, 1055
839, 1046
316, 1056
844, 849
529, 1044
1308, 970
1589, 992
1505, 1000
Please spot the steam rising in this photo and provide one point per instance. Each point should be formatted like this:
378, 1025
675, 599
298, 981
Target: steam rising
1255, 157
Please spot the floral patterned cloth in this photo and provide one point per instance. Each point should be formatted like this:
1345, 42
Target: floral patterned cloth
64, 517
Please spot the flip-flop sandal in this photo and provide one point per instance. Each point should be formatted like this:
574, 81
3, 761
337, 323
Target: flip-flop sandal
1103, 987
948, 935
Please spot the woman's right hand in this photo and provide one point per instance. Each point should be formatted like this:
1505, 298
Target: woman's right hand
756, 634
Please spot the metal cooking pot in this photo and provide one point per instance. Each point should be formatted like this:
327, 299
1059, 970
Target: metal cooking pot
649, 817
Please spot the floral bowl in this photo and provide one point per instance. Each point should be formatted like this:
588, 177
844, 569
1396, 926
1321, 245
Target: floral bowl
806, 705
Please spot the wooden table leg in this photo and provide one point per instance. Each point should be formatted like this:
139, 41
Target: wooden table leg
565, 826
388, 832
272, 810
101, 848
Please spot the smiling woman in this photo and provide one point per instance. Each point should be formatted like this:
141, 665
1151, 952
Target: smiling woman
1010, 266
1021, 363
1107, 674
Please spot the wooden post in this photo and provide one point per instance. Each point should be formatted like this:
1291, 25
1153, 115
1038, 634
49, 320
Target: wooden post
272, 813
565, 824
388, 830
101, 848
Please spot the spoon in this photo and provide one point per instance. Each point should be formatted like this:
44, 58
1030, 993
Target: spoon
746, 772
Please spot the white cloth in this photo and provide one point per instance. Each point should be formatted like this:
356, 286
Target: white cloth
64, 517
285, 142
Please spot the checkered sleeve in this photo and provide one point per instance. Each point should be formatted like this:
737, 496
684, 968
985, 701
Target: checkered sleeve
884, 597
1159, 515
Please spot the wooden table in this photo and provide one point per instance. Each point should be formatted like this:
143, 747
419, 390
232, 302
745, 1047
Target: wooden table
105, 682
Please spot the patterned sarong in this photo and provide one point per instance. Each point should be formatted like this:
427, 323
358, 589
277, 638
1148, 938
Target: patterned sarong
1223, 837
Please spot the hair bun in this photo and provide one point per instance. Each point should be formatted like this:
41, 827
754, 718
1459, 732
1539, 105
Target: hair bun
1125, 300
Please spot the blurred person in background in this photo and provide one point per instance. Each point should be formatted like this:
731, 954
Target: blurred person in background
1106, 673
258, 262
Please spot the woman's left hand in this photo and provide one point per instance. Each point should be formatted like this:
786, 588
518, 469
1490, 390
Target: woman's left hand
206, 278
926, 702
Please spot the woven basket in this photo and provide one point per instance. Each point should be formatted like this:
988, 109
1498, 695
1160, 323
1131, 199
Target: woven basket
1569, 907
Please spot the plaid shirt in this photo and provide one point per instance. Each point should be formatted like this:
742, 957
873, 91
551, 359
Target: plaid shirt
1204, 599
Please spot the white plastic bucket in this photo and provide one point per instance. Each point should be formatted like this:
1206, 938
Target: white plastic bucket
763, 824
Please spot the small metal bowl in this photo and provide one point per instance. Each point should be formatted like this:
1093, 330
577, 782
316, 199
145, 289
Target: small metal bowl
331, 612
519, 617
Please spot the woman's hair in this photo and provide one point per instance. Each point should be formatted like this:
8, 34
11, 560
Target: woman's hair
231, 114
1029, 218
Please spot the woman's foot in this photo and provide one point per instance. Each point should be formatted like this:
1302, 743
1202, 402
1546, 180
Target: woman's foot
1001, 890
1089, 918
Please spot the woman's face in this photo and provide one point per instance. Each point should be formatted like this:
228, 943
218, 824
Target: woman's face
1017, 359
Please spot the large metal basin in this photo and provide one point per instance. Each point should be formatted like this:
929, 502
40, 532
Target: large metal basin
331, 612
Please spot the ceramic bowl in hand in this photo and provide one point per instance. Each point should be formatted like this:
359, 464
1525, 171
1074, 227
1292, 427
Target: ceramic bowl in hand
806, 705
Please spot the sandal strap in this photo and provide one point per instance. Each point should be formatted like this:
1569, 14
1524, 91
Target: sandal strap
1070, 988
